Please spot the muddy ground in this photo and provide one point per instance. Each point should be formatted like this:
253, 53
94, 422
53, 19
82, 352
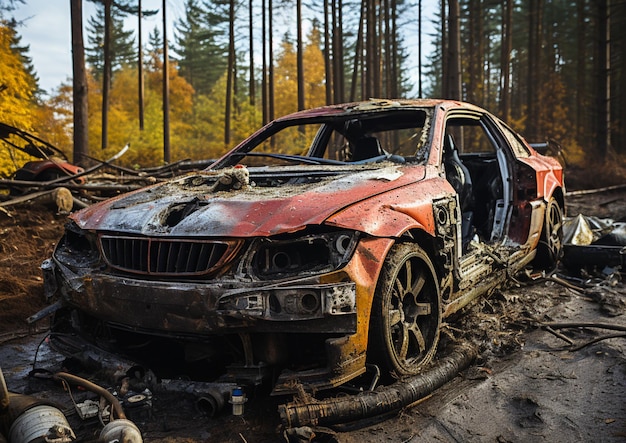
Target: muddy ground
526, 384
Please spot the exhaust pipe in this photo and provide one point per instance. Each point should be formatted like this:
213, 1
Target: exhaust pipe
210, 398
374, 403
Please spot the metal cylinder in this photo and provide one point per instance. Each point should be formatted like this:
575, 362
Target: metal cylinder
237, 399
211, 403
41, 421
121, 430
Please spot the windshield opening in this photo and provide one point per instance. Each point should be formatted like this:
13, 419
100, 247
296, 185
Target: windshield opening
342, 139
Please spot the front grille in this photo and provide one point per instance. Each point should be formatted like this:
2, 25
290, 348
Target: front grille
153, 256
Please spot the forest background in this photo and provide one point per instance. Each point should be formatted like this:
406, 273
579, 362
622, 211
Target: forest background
553, 70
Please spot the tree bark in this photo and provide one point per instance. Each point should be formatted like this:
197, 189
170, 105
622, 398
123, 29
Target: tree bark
252, 82
264, 79
140, 83
454, 51
106, 77
230, 73
505, 60
79, 85
328, 71
534, 68
603, 68
166, 90
299, 56
271, 91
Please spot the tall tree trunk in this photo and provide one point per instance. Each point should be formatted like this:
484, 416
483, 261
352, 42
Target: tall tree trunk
603, 67
106, 77
580, 71
251, 86
386, 47
358, 57
395, 51
328, 71
475, 67
229, 74
264, 79
166, 90
336, 68
454, 52
505, 60
377, 38
618, 141
140, 83
372, 61
420, 92
79, 85
339, 71
444, 49
534, 68
299, 56
271, 91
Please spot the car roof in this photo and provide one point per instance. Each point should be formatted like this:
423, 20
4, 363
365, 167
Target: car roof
376, 105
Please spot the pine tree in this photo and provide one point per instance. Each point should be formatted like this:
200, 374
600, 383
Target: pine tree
201, 44
123, 46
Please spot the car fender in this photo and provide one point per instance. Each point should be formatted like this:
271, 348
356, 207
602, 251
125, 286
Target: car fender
383, 216
548, 172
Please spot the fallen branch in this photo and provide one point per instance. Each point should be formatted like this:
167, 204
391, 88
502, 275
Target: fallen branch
597, 339
595, 191
551, 328
60, 197
556, 325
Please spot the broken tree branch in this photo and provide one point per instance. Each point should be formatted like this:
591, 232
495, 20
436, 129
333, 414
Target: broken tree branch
556, 325
597, 339
59, 197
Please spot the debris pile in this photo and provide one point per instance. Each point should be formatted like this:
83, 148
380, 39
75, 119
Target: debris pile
52, 181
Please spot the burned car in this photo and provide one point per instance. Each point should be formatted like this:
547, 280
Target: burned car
329, 240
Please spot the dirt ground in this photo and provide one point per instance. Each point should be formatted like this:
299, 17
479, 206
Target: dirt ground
527, 384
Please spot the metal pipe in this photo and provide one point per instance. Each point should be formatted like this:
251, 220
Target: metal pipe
79, 381
385, 400
210, 397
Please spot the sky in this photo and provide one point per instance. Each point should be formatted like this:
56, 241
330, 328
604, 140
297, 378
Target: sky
46, 28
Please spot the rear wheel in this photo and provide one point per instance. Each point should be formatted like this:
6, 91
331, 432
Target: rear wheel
406, 312
550, 247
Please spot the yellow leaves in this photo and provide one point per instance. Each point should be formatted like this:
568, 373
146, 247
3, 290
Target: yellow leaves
15, 86
286, 89
16, 91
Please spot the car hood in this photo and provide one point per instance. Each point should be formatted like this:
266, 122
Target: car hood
193, 205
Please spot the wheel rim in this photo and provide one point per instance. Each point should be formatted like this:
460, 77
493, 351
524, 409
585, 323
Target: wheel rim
554, 238
413, 313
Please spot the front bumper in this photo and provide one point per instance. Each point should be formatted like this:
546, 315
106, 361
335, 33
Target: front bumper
207, 307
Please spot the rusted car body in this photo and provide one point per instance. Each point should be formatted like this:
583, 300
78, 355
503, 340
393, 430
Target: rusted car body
327, 240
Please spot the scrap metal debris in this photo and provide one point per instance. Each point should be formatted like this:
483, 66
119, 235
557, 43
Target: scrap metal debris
29, 419
592, 243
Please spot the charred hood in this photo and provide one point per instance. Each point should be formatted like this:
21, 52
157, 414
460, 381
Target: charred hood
212, 204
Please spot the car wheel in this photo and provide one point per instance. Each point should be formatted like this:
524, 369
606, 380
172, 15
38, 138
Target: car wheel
550, 247
406, 312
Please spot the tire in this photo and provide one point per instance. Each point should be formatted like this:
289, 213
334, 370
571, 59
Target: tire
406, 313
550, 247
